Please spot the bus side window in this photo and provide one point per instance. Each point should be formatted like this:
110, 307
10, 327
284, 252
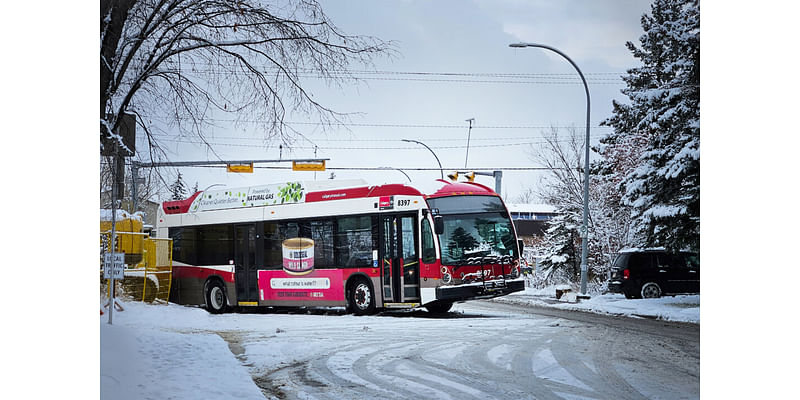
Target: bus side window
322, 235
353, 241
273, 255
184, 245
428, 249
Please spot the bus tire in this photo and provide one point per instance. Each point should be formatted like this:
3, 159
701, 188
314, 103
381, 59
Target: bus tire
361, 297
216, 300
439, 307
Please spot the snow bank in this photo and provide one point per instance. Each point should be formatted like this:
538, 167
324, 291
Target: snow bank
140, 361
682, 308
106, 214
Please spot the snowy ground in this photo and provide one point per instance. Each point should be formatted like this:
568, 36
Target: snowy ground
681, 308
176, 352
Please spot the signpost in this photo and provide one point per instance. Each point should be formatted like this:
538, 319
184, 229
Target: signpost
113, 269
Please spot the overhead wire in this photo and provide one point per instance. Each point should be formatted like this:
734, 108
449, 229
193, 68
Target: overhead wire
510, 144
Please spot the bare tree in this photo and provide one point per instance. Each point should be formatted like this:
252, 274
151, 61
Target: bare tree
527, 196
562, 156
609, 219
149, 187
177, 63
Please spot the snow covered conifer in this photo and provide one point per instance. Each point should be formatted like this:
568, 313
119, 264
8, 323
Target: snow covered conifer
664, 93
178, 189
561, 258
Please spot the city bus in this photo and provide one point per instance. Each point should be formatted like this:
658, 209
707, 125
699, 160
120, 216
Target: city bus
341, 244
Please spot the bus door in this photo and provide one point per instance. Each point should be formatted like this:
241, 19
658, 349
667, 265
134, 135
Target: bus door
244, 254
400, 262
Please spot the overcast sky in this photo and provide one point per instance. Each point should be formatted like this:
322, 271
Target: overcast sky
438, 38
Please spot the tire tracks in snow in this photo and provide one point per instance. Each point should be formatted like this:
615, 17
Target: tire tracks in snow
480, 357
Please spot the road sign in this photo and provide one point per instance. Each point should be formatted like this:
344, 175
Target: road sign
113, 265
241, 168
308, 165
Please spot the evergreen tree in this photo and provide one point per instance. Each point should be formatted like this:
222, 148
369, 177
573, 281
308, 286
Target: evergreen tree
178, 189
463, 240
196, 188
561, 250
664, 189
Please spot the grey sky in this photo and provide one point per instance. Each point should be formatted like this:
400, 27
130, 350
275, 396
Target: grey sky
469, 37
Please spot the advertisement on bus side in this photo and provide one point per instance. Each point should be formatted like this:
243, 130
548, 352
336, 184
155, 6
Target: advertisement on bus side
318, 285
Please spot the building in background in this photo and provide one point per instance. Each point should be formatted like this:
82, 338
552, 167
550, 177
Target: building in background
531, 221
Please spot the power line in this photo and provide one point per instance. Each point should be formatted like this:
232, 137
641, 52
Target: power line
595, 78
393, 125
440, 73
538, 81
389, 168
366, 147
353, 72
457, 139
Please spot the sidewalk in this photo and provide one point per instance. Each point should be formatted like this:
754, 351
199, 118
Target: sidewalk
681, 308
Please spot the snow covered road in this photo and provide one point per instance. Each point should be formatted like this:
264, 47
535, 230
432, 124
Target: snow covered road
481, 350
474, 354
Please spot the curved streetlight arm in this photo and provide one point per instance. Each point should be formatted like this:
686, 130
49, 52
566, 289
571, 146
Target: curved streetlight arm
585, 229
397, 169
441, 170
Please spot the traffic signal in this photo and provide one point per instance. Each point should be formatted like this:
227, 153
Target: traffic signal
454, 176
470, 176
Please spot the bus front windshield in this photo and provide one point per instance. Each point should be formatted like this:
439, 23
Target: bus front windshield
474, 226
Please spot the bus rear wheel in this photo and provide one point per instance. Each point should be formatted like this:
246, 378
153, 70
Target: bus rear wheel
360, 298
215, 297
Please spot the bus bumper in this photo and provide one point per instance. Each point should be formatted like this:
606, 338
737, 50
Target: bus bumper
486, 290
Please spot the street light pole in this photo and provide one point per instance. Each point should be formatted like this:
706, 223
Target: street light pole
585, 227
441, 170
469, 133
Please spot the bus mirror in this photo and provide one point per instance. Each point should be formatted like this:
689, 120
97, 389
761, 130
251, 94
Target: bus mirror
521, 245
438, 224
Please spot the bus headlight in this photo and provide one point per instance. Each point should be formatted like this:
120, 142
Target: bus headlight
447, 278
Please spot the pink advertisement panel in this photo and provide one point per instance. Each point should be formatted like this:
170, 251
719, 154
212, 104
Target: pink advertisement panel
318, 285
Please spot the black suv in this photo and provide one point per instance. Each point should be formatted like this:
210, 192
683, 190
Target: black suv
651, 273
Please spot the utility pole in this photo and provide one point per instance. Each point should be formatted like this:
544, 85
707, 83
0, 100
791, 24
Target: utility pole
469, 133
113, 239
122, 144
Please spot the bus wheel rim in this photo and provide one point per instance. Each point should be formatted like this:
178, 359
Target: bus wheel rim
362, 296
216, 297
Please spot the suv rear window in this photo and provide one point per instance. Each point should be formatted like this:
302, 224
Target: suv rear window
622, 261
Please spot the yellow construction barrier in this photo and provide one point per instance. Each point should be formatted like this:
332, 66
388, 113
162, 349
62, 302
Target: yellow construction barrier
148, 265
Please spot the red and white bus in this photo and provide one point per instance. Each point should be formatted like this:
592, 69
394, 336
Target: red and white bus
334, 244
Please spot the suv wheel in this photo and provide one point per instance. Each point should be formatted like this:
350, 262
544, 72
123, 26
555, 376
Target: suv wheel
651, 290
